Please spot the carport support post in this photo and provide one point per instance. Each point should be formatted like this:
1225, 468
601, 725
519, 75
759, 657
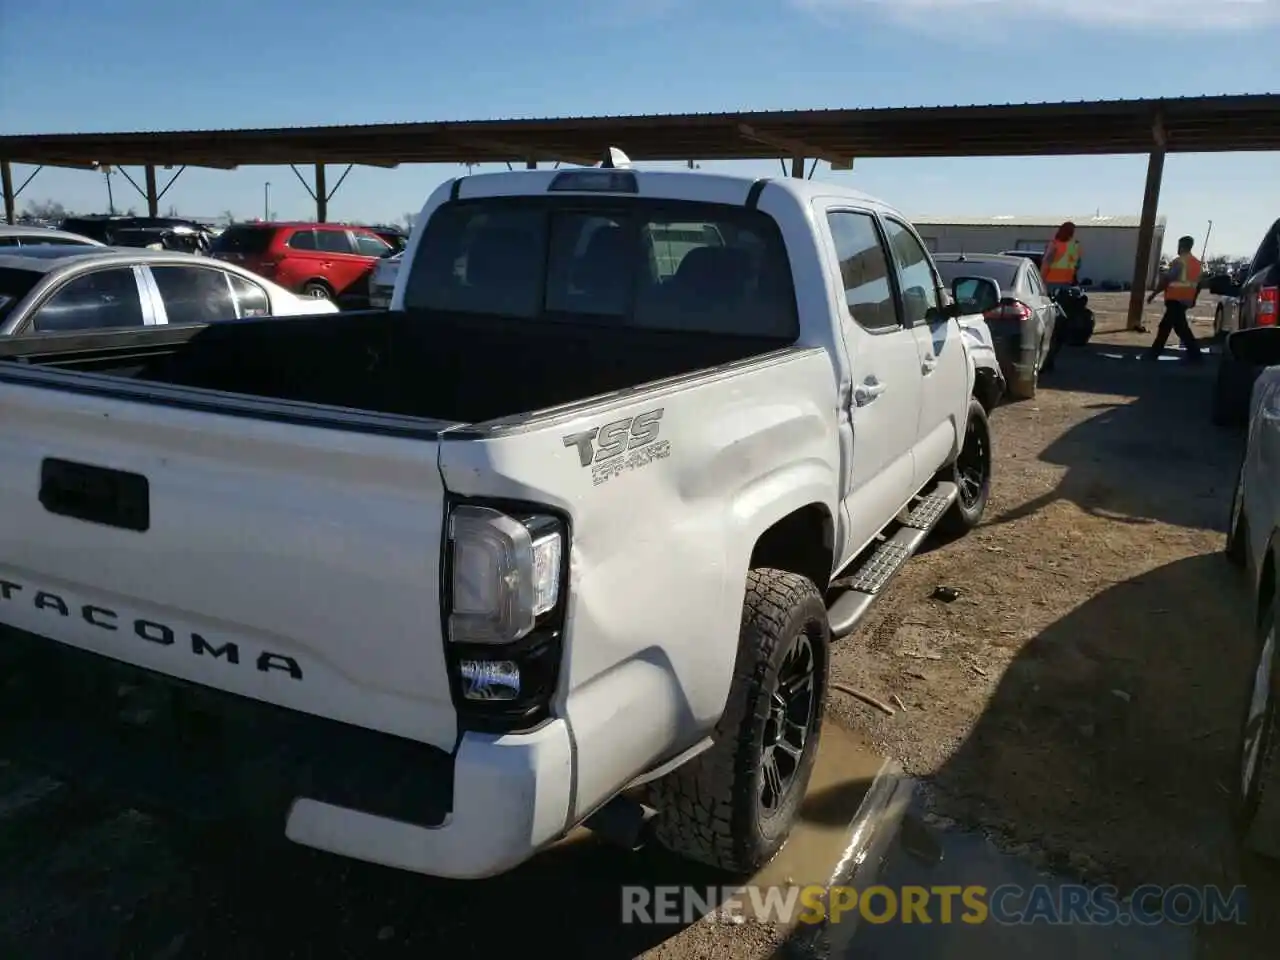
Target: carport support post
1146, 236
153, 199
10, 201
322, 196
797, 167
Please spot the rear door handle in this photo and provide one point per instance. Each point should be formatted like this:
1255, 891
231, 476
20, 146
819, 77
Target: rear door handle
865, 393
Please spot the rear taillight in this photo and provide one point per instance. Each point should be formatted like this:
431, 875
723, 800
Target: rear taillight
505, 602
1268, 306
1008, 310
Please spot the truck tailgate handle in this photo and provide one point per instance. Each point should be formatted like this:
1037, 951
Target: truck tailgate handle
82, 491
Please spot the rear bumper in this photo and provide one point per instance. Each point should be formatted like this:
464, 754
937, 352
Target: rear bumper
204, 755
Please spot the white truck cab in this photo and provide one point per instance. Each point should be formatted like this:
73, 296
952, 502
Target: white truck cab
561, 523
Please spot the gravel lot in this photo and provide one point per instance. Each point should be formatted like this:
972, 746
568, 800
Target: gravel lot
1078, 701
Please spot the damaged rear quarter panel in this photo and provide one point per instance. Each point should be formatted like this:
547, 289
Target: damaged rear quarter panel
661, 536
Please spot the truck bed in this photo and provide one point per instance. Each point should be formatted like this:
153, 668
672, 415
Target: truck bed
455, 368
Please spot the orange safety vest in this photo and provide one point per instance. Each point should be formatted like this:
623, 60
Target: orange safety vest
1183, 290
1060, 261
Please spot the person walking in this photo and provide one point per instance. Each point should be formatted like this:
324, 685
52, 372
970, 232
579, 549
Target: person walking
1061, 263
1180, 284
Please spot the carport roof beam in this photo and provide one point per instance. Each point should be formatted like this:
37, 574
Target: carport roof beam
1190, 125
793, 148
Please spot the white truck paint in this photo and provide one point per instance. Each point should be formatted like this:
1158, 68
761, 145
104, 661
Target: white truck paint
663, 596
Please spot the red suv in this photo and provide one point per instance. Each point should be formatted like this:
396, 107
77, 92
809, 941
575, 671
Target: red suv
328, 261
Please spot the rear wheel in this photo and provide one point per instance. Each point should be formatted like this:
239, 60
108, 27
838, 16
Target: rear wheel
1257, 813
733, 806
971, 473
316, 290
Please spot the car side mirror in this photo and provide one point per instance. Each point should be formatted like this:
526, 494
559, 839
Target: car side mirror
975, 294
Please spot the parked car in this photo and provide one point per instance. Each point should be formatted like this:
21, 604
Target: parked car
382, 281
1253, 544
1226, 316
1018, 310
19, 237
1255, 303
575, 534
395, 238
123, 231
324, 261
46, 289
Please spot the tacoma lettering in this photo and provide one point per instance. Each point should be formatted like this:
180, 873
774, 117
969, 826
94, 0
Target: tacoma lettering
152, 631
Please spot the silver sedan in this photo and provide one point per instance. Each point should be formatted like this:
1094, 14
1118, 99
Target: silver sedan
62, 288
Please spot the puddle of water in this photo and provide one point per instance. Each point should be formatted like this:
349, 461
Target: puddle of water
844, 770
842, 773
970, 859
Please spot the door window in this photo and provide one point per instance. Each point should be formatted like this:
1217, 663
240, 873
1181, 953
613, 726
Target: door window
251, 299
864, 268
93, 301
368, 245
916, 275
303, 240
194, 294
334, 241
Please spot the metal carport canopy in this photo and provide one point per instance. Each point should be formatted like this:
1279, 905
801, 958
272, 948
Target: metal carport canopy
1192, 124
1152, 127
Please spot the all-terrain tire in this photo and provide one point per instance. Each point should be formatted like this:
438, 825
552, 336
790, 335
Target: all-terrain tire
1257, 803
709, 809
967, 511
1236, 548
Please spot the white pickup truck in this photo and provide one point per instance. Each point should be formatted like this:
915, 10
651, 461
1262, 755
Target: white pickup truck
554, 540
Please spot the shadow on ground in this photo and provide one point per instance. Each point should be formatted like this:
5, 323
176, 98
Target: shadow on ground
86, 880
1158, 426
1110, 743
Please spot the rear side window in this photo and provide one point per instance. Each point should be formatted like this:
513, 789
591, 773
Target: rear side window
660, 265
194, 294
251, 299
248, 241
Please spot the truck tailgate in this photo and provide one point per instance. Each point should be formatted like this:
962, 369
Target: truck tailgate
289, 563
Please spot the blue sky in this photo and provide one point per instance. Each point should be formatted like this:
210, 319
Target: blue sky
156, 64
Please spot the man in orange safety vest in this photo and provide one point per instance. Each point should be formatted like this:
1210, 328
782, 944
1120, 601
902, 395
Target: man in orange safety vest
1180, 285
1061, 261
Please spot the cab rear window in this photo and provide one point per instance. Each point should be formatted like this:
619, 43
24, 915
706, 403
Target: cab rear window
631, 262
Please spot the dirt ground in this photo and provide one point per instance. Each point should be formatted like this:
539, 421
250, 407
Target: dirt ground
1078, 701
1081, 696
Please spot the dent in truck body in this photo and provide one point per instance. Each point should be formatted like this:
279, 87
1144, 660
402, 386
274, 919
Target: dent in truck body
646, 636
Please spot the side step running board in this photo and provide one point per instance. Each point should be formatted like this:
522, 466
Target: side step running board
875, 572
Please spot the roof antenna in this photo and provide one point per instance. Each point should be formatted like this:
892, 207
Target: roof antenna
615, 159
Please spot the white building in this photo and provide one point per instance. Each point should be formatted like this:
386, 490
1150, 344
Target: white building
1110, 243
